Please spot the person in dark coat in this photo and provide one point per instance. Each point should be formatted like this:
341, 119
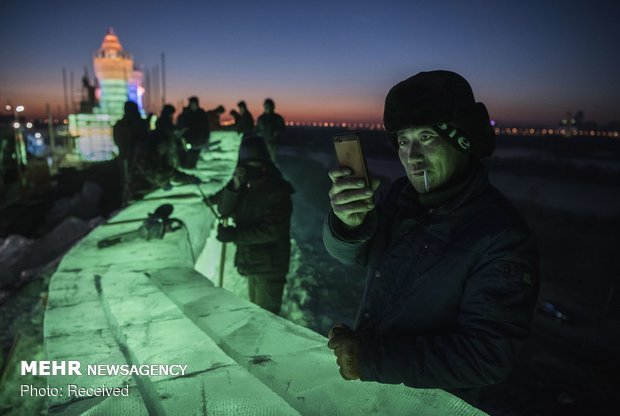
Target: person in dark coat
156, 159
452, 268
244, 121
259, 201
270, 125
129, 133
213, 116
194, 124
166, 137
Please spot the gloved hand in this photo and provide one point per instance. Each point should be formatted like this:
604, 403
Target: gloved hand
345, 343
226, 234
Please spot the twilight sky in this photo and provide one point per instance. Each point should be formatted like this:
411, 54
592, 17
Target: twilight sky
528, 61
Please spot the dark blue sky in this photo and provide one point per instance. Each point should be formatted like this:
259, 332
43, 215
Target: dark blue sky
528, 61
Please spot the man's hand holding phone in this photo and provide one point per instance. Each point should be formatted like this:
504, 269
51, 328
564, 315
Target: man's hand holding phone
350, 198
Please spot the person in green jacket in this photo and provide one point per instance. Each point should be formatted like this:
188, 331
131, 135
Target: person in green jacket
258, 199
452, 267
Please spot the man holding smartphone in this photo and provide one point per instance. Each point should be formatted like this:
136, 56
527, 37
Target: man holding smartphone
451, 266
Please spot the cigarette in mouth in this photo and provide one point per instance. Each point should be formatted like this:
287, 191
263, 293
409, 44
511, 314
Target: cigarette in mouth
425, 181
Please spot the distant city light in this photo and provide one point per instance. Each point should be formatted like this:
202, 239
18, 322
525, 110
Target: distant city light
8, 107
29, 125
19, 108
16, 125
37, 135
492, 122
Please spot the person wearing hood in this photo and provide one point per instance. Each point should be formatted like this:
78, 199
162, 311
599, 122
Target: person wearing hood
452, 268
244, 121
130, 133
270, 126
258, 199
194, 125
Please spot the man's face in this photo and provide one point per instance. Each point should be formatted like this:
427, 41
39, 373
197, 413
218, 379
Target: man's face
241, 110
268, 108
193, 105
420, 150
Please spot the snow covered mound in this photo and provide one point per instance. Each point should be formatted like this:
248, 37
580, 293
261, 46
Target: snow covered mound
142, 303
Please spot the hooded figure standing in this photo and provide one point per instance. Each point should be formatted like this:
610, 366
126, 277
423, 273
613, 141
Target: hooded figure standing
451, 266
270, 125
129, 133
259, 201
194, 124
244, 121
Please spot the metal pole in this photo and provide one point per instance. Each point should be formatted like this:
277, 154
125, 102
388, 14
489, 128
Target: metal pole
72, 91
222, 257
64, 87
163, 79
50, 130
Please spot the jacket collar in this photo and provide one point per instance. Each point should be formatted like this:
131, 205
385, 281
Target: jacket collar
432, 219
477, 182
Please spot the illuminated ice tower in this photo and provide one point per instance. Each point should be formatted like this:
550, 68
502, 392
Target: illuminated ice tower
114, 70
118, 82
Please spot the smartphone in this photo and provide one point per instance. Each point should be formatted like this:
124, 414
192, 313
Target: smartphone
349, 153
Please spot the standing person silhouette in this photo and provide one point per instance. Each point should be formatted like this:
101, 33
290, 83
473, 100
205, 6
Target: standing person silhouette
270, 125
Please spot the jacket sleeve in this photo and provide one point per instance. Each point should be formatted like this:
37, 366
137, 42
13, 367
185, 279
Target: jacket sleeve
280, 126
225, 200
274, 224
259, 126
349, 246
495, 319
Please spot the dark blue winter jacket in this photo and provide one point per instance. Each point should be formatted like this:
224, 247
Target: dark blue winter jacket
450, 291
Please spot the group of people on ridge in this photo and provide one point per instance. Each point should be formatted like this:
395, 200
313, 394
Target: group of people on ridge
149, 158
